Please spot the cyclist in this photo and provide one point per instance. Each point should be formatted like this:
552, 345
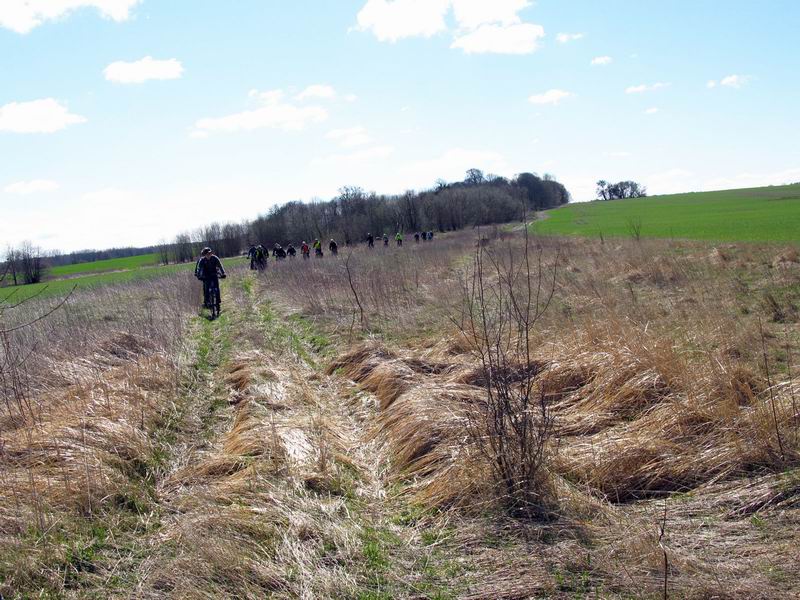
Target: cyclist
306, 251
333, 247
261, 257
416, 237
385, 240
291, 251
399, 238
251, 254
317, 245
209, 270
370, 241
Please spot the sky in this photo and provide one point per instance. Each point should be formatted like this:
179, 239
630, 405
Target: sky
125, 122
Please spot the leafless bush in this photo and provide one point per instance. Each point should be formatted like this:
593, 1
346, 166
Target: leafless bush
506, 292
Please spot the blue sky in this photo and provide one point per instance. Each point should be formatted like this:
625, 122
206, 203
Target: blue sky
123, 122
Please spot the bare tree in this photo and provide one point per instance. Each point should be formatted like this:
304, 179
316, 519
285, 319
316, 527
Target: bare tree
26, 264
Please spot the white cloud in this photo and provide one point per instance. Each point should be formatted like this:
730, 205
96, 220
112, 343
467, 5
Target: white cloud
471, 14
321, 91
522, 38
350, 138
35, 186
602, 60
274, 114
390, 21
268, 97
550, 97
37, 116
482, 26
711, 84
640, 89
651, 111
22, 16
143, 70
735, 81
563, 38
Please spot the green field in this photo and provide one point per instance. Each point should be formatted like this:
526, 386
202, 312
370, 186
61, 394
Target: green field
61, 287
104, 266
768, 214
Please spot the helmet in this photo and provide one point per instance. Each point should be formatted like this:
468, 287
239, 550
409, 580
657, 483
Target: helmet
205, 251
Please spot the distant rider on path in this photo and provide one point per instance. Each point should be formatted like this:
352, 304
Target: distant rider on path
209, 270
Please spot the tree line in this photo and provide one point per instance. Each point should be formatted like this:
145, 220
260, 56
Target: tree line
478, 199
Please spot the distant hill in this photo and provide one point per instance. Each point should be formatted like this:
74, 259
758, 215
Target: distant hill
766, 214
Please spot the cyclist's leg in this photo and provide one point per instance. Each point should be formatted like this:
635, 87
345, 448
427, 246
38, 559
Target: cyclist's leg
206, 294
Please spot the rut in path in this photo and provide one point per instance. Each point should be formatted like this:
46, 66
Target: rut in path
279, 492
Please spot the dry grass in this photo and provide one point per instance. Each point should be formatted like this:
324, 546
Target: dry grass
239, 470
659, 383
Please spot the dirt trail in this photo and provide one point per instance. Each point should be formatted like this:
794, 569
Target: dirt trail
275, 487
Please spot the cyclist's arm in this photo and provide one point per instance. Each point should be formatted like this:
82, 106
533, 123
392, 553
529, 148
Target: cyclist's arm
220, 269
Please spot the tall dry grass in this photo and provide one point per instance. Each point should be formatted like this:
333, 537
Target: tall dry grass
83, 389
650, 358
399, 289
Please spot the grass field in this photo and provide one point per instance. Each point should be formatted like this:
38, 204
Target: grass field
325, 436
61, 287
769, 214
103, 266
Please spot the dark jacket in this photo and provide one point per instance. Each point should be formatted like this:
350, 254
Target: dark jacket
209, 268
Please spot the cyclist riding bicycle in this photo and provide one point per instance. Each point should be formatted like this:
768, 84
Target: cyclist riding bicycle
209, 270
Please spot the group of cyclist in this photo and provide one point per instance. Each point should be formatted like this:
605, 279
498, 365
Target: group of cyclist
425, 236
258, 254
209, 267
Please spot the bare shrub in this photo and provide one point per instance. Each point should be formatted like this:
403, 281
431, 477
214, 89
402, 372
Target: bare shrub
505, 293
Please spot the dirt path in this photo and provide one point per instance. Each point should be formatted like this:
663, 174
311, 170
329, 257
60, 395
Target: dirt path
275, 487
